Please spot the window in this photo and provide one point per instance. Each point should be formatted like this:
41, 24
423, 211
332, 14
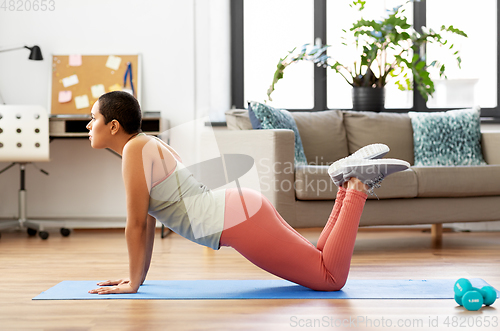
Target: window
271, 29
475, 82
264, 31
339, 16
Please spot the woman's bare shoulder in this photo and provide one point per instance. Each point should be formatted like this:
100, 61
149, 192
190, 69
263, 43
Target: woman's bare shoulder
149, 147
170, 149
135, 145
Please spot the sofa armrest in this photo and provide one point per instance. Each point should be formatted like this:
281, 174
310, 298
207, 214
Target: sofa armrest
491, 147
273, 153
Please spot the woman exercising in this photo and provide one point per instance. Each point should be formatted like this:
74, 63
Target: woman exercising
159, 188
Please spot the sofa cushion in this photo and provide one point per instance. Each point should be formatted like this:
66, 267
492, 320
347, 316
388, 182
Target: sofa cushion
313, 183
271, 118
457, 132
403, 184
459, 181
392, 129
323, 136
238, 119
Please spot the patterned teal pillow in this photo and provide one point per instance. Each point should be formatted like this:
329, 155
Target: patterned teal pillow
271, 118
448, 138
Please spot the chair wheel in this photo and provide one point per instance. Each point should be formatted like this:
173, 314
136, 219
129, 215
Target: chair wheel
43, 234
65, 232
32, 232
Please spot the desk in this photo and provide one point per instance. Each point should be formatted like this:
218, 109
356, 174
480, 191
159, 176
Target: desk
75, 126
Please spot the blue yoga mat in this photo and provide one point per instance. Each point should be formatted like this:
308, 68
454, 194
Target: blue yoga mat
262, 289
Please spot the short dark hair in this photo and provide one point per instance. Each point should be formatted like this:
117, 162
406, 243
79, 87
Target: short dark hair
123, 107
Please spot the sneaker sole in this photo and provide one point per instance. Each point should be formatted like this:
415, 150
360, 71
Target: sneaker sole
364, 169
373, 151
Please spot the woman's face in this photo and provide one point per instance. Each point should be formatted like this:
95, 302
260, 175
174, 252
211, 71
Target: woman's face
98, 131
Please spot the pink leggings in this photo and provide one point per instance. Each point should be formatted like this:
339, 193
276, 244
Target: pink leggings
267, 241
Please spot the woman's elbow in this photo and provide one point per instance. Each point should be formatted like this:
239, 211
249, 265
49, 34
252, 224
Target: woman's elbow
135, 225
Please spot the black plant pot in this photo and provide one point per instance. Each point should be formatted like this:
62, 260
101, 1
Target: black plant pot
368, 99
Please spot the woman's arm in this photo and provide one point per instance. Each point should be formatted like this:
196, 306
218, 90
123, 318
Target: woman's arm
136, 190
137, 194
150, 238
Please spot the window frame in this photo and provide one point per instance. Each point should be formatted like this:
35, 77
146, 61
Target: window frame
320, 87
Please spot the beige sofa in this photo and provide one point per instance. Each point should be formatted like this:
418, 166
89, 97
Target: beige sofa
304, 195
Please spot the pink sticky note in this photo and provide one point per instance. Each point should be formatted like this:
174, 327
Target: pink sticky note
64, 96
75, 60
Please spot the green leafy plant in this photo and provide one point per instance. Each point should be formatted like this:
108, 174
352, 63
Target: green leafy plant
387, 51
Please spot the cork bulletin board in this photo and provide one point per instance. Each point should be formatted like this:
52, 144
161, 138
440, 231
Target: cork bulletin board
77, 81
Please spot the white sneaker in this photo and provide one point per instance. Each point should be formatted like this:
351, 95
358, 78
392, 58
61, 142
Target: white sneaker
373, 151
372, 172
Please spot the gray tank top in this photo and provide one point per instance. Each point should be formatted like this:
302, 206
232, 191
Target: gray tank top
189, 208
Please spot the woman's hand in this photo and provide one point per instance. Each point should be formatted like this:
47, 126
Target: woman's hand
114, 282
114, 287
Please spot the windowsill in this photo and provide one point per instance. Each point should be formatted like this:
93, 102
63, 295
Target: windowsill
218, 124
490, 120
484, 120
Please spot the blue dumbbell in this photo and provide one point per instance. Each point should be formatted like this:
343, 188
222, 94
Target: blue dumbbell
463, 286
472, 300
489, 295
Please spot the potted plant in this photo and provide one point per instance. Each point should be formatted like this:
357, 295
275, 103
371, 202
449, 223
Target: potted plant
387, 51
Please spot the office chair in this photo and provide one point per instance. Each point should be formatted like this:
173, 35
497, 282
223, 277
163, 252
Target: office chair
24, 138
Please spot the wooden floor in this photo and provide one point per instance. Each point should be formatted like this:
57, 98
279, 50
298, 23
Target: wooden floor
29, 266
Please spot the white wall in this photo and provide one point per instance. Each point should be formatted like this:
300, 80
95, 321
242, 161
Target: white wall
185, 61
213, 58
